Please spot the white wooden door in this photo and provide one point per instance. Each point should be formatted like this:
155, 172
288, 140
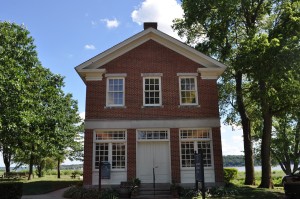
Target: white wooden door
153, 155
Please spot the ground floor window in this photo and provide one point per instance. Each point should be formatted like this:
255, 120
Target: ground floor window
110, 146
192, 140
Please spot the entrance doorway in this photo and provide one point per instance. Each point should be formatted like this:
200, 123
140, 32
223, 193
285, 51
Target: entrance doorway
153, 159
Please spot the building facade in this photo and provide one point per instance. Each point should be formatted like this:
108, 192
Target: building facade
151, 102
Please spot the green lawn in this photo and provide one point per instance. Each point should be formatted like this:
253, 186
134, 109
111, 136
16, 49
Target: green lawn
236, 191
46, 184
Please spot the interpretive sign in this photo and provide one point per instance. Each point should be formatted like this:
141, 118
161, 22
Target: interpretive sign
105, 170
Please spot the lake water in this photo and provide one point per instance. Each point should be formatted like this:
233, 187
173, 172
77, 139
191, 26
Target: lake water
257, 168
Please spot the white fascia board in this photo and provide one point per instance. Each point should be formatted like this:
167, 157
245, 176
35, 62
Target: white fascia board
143, 37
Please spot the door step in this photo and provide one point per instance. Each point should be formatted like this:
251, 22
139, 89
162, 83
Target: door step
147, 191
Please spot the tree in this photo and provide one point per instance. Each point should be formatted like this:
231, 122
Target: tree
17, 55
259, 40
287, 130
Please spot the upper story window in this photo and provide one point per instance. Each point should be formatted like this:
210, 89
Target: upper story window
115, 91
188, 90
152, 91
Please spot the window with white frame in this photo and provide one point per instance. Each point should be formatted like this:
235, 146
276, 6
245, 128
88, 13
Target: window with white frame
115, 91
110, 146
156, 135
188, 91
152, 91
192, 140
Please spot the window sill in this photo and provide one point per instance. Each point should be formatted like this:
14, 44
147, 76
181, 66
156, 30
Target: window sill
115, 107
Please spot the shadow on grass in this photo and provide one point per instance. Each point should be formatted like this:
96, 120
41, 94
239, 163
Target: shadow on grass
42, 187
244, 192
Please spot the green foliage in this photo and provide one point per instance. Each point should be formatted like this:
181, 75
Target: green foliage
259, 41
230, 174
38, 120
11, 190
76, 192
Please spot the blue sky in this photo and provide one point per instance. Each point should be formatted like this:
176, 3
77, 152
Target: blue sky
69, 32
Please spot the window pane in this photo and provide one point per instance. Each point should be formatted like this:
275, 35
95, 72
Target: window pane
115, 93
152, 91
101, 153
188, 91
118, 156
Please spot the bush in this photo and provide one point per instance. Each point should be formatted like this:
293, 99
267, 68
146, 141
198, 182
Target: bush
11, 190
230, 174
76, 192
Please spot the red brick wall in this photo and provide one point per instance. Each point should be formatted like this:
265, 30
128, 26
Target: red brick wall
131, 154
151, 57
175, 156
218, 158
88, 157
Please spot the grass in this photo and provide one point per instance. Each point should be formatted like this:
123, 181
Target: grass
45, 184
51, 183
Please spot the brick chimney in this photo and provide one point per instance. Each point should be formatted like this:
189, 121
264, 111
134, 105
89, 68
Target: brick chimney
150, 25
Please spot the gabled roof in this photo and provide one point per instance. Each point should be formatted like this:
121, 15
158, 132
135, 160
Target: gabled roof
91, 69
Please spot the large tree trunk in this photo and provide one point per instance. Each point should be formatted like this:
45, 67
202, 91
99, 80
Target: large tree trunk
6, 158
58, 168
266, 180
248, 146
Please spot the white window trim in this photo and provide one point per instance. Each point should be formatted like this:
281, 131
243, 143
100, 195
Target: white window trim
196, 90
195, 140
109, 148
107, 88
152, 140
160, 92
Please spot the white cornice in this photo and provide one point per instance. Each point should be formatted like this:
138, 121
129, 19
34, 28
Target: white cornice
91, 74
210, 73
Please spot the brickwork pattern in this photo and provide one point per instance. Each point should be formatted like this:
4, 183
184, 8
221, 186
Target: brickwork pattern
175, 156
131, 154
218, 158
88, 157
152, 57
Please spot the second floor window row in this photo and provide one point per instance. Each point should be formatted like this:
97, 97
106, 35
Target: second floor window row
152, 93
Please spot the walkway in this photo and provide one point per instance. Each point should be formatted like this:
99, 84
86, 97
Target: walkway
55, 194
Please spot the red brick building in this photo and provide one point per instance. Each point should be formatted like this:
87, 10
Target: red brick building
151, 101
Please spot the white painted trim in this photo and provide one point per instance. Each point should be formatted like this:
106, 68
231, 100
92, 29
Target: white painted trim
187, 74
110, 148
151, 74
209, 73
144, 36
164, 123
116, 75
196, 91
107, 88
160, 91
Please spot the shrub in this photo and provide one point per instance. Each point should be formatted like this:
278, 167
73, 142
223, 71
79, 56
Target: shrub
11, 190
76, 192
230, 174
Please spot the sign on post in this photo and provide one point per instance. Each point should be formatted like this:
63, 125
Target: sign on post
199, 171
105, 170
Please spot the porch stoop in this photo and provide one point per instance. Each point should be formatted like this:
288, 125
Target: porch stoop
162, 191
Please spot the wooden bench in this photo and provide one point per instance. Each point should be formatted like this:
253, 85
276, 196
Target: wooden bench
292, 189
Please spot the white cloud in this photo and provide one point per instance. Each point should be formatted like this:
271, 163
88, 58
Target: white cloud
82, 115
232, 141
161, 11
89, 47
114, 23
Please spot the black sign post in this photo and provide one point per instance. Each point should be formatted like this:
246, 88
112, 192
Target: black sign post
99, 185
199, 172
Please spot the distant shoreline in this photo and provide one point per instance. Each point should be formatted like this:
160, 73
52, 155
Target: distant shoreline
256, 168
